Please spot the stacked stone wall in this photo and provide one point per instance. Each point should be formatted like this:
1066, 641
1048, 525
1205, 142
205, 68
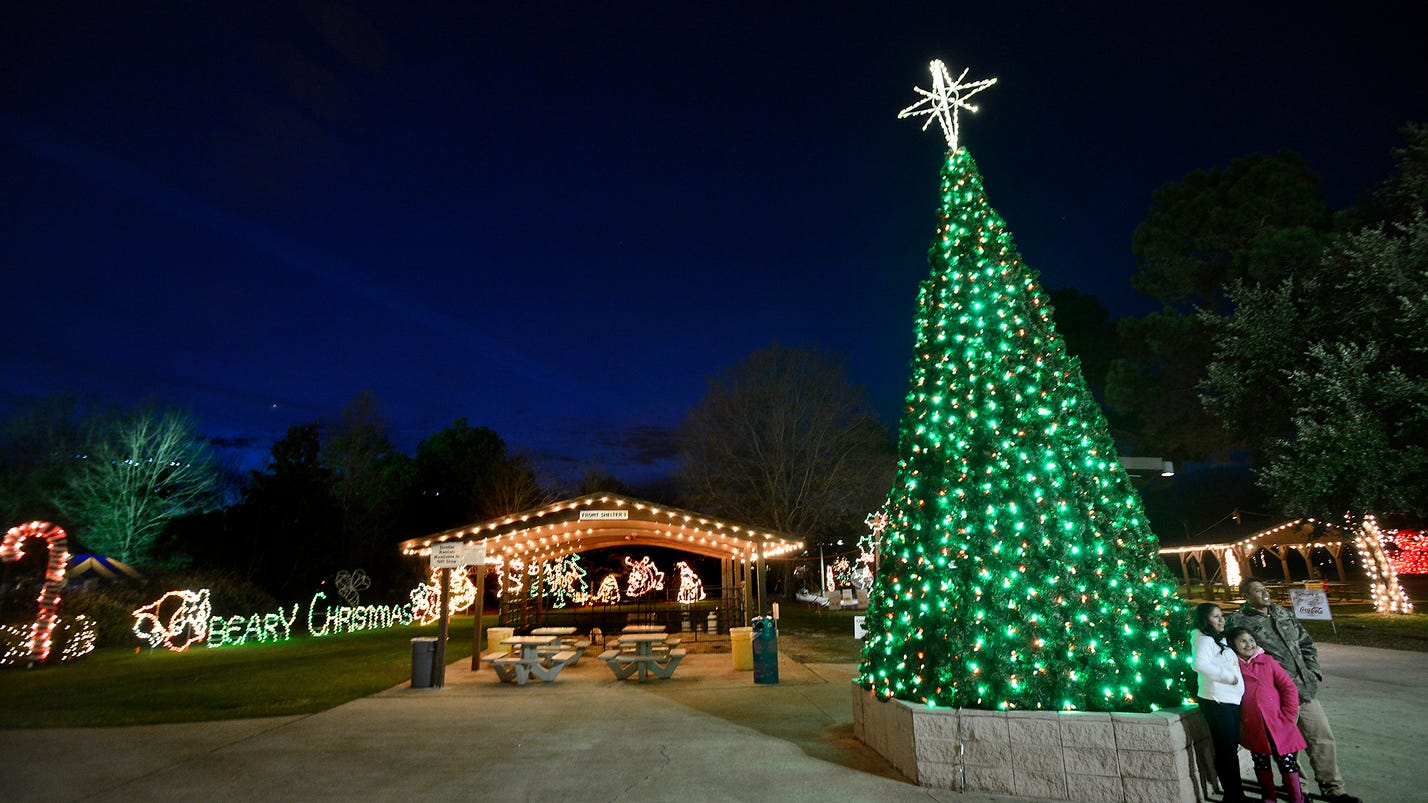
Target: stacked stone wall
1063, 755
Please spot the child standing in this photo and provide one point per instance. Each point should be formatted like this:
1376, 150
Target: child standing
1268, 712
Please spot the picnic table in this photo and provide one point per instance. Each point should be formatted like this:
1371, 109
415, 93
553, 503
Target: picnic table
525, 660
643, 659
565, 644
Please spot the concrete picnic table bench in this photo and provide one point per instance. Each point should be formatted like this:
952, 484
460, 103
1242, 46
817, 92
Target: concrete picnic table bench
644, 658
566, 643
525, 659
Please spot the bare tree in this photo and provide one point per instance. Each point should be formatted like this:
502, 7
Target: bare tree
138, 473
784, 441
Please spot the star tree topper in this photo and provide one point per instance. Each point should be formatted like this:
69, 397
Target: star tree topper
945, 99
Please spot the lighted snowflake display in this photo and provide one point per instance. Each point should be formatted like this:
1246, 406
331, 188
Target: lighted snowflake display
943, 102
177, 620
644, 578
691, 588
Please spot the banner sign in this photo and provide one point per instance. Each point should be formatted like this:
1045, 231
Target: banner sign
604, 515
1310, 603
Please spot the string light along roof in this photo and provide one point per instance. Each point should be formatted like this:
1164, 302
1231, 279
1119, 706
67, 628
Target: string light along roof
603, 520
945, 100
1298, 532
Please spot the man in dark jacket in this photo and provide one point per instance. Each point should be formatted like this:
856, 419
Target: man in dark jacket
1286, 641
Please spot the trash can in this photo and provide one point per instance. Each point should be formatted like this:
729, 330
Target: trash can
496, 635
739, 643
765, 650
423, 661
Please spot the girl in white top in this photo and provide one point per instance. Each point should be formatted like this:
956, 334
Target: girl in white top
1221, 687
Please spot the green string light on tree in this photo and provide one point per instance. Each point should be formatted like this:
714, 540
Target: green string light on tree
1017, 569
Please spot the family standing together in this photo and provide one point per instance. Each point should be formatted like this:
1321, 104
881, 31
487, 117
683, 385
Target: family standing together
1259, 677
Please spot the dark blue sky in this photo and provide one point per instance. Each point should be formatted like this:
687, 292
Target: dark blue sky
558, 222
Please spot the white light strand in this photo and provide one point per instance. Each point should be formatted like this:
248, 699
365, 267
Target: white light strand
348, 585
644, 577
944, 100
691, 588
183, 624
609, 592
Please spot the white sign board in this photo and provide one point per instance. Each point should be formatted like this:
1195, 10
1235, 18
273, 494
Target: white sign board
860, 629
475, 553
448, 555
1310, 603
604, 515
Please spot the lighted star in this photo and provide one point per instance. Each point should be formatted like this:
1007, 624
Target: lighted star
945, 100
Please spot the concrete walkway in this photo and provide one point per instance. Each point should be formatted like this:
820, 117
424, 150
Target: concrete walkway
707, 734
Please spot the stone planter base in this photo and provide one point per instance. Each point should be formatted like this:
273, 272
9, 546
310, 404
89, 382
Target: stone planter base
1066, 755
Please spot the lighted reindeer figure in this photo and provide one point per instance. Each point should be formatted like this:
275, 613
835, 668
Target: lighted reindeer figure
644, 578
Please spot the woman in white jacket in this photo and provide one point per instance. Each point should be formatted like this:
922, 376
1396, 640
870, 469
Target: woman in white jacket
1221, 687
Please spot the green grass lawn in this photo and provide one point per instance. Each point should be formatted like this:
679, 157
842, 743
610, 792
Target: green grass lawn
302, 676
1356, 624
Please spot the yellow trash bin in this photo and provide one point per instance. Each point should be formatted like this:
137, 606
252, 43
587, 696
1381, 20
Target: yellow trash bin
741, 642
495, 635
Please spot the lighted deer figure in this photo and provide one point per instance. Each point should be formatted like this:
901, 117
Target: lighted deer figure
644, 577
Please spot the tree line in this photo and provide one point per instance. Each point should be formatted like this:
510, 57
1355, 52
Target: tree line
1289, 334
801, 453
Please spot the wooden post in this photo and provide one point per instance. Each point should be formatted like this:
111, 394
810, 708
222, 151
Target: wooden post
438, 672
480, 610
760, 578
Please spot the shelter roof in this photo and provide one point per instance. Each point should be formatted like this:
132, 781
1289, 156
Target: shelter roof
1295, 532
601, 520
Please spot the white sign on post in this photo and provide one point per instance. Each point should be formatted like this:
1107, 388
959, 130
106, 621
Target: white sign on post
1310, 603
447, 555
860, 629
475, 554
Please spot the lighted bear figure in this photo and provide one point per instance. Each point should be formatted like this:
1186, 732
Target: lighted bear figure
176, 620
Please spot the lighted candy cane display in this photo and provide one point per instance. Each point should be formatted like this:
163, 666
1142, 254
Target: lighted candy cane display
609, 592
42, 631
185, 623
644, 578
691, 588
348, 585
1388, 594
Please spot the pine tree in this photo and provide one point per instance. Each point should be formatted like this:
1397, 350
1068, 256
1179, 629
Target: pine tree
1017, 570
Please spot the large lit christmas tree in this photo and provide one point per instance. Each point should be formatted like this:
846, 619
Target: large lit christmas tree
1017, 569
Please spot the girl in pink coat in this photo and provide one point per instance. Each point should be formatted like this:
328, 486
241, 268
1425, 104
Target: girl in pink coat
1268, 712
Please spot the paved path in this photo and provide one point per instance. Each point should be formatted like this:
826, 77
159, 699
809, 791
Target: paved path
708, 734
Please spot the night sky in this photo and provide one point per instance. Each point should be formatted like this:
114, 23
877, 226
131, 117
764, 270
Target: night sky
559, 220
